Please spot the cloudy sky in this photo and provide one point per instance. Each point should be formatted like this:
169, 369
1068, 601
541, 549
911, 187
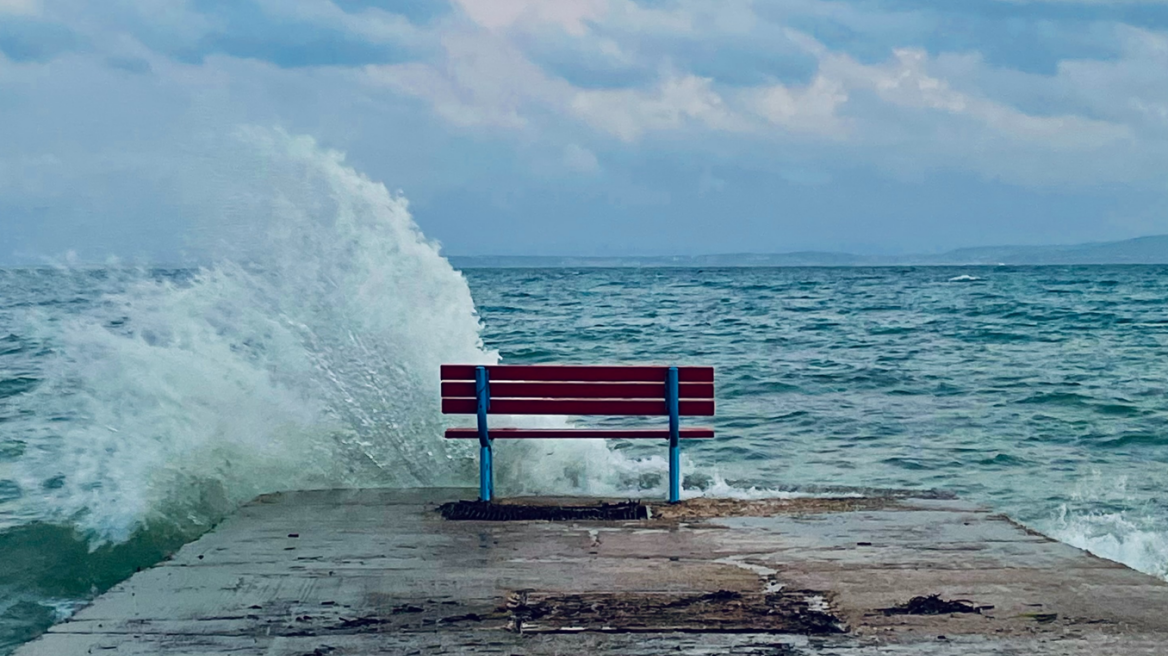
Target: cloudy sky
601, 126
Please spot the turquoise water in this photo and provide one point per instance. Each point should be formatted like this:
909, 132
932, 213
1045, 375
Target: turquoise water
129, 399
1039, 391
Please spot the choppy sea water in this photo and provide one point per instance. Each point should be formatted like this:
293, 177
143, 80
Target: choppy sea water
1040, 391
139, 406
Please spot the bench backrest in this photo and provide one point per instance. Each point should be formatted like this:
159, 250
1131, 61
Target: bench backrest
578, 390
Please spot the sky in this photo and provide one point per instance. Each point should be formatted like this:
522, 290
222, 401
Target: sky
598, 127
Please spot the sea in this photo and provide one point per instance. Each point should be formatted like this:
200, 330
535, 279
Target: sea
139, 405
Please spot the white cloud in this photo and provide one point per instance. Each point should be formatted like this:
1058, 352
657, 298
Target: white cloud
811, 109
486, 79
373, 24
20, 7
673, 104
483, 81
570, 15
905, 82
1155, 111
1092, 2
631, 17
1132, 89
520, 79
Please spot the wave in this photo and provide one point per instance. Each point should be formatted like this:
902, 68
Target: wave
1106, 518
1124, 537
305, 356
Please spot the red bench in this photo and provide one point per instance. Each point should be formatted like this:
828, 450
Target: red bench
577, 390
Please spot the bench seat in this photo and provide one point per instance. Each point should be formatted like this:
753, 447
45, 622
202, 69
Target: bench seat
695, 432
577, 390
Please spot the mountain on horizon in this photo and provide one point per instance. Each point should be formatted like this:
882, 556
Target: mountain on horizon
1140, 250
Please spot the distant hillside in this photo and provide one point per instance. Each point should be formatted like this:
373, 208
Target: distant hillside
1142, 250
726, 260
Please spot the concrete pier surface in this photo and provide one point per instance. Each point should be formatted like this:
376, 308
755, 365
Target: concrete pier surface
381, 572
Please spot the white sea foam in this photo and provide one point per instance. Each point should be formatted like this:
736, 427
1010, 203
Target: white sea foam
1130, 534
1118, 537
964, 278
63, 609
306, 356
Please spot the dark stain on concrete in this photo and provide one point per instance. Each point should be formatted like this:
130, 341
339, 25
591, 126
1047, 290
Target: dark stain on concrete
933, 605
803, 612
495, 512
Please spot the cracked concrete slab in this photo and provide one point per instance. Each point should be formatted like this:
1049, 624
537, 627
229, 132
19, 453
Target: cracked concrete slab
379, 571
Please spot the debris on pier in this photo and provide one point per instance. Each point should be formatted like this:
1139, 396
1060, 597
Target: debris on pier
348, 572
933, 605
801, 612
497, 512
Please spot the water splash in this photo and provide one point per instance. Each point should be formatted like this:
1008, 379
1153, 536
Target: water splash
305, 356
1125, 538
1106, 519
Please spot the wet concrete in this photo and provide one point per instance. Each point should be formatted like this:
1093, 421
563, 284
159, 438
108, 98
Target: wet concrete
380, 571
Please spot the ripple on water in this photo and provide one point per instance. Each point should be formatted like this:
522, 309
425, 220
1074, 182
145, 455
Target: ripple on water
1118, 409
1057, 398
11, 344
12, 449
17, 385
1002, 460
1134, 439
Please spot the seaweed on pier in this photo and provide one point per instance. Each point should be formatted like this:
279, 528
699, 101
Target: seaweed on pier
496, 512
804, 612
932, 605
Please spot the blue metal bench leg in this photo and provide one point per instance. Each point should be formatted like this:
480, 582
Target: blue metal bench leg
674, 471
671, 400
486, 473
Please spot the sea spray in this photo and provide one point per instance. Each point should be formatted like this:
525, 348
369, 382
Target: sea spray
1128, 538
1103, 516
305, 354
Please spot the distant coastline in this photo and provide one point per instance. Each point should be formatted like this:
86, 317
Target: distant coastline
1141, 250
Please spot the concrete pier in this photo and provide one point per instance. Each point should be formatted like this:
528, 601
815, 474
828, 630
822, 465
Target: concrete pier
380, 572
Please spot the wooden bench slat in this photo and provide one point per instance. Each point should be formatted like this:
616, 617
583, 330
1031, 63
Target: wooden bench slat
577, 390
553, 390
689, 432
578, 373
469, 406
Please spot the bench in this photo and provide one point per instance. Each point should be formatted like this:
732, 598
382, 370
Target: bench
577, 390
